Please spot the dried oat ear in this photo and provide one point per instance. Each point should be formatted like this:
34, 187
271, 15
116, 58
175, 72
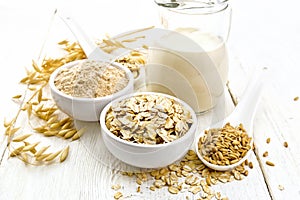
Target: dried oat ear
38, 106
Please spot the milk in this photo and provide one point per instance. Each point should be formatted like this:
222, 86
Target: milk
192, 66
214, 46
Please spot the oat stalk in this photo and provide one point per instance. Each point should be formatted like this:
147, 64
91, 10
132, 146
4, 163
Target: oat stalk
35, 105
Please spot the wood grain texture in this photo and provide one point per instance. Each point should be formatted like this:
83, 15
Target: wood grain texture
278, 114
276, 119
90, 171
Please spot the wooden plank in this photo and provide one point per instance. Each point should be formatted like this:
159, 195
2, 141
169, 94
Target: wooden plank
90, 171
21, 36
76, 177
277, 118
84, 176
273, 45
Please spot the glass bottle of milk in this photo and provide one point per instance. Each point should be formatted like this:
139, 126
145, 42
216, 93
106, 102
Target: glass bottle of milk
207, 24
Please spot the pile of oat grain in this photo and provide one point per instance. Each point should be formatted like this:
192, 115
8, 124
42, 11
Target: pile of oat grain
226, 145
91, 79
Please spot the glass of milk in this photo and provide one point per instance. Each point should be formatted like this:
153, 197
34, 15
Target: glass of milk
204, 63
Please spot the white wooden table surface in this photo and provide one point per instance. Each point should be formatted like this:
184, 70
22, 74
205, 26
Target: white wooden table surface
265, 34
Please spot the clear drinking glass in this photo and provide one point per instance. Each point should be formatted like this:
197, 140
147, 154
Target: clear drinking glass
207, 23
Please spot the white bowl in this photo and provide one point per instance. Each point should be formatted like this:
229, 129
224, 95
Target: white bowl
147, 155
86, 109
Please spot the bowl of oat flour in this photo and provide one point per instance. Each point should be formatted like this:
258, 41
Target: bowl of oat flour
82, 88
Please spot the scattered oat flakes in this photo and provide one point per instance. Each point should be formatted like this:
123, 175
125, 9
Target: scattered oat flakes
280, 187
116, 187
268, 140
139, 181
296, 98
152, 188
194, 189
173, 190
118, 195
194, 181
285, 144
224, 198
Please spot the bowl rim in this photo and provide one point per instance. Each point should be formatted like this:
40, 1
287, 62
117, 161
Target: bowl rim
191, 130
88, 99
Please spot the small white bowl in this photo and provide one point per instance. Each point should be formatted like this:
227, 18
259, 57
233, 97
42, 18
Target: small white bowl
147, 155
81, 108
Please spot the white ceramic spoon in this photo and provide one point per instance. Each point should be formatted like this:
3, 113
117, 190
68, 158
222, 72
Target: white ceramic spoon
91, 50
243, 113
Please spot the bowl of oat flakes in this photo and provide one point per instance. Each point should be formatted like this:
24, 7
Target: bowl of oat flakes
148, 129
82, 88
